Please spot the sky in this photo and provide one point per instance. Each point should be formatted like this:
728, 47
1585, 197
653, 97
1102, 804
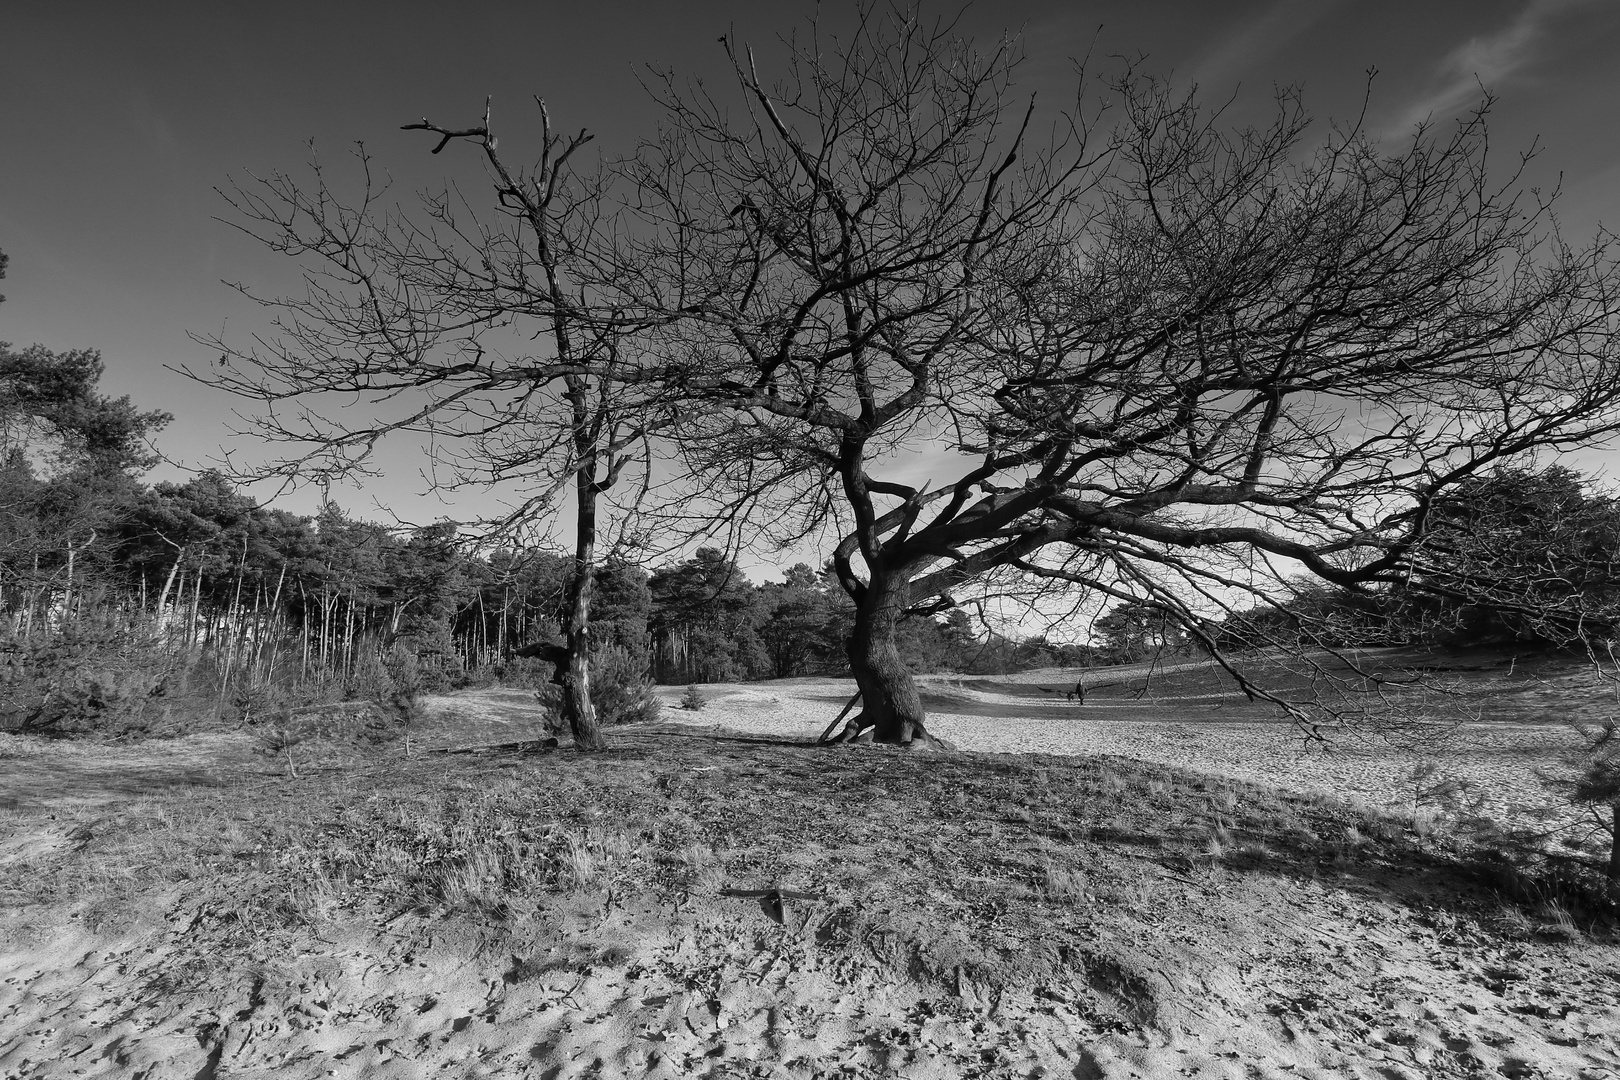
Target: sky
119, 121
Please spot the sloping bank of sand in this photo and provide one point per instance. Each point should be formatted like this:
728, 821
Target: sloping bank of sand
600, 989
1214, 973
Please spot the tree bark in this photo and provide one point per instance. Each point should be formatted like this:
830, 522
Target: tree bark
577, 704
1614, 844
168, 583
196, 608
890, 704
67, 599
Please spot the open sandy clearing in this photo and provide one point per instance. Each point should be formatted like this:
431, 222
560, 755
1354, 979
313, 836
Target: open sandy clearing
703, 903
1500, 760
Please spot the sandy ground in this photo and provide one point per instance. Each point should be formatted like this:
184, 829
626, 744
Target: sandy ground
599, 989
1217, 975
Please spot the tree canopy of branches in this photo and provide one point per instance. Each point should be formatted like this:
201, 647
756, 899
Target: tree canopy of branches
1136, 630
1525, 556
1149, 355
498, 336
68, 458
1143, 359
1517, 555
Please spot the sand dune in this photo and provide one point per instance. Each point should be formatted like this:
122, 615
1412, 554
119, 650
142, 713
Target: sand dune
1200, 970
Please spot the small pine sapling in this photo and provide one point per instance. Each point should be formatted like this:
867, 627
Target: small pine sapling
1598, 786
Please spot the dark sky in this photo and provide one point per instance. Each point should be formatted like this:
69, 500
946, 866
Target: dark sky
118, 120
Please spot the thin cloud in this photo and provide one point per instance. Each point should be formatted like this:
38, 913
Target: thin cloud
1488, 61
1229, 58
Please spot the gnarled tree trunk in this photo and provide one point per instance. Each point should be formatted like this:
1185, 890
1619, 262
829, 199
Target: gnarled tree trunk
890, 704
576, 674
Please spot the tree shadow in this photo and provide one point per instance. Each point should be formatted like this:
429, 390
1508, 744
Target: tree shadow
726, 736
1421, 875
33, 783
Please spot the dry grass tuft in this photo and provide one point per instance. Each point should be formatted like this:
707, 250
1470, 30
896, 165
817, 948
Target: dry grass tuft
1062, 885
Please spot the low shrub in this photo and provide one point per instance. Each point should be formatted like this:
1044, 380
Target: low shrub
368, 678
96, 678
436, 668
523, 673
333, 732
620, 689
693, 699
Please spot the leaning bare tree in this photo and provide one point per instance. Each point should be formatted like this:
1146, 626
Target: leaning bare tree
491, 333
1151, 358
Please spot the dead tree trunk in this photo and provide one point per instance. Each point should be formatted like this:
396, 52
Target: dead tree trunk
168, 582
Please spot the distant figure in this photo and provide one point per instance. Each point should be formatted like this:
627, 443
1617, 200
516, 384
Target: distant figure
1078, 693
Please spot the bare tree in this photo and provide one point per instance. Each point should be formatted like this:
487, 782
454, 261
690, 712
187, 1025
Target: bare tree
1136, 352
1155, 360
495, 336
